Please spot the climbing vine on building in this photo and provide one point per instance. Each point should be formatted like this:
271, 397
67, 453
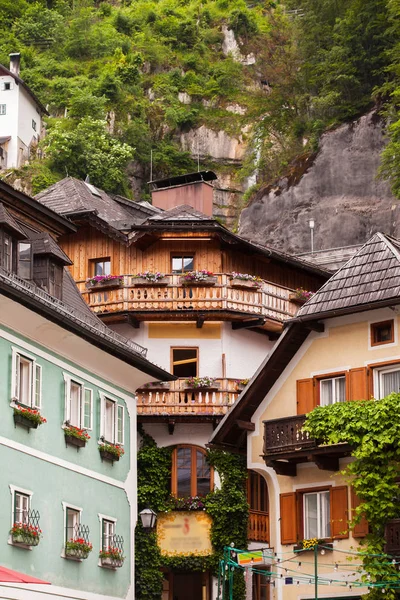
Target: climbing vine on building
372, 428
227, 506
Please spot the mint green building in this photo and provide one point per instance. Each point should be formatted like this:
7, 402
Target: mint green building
67, 422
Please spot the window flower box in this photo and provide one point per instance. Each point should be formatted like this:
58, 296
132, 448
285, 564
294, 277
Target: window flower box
309, 545
78, 548
202, 278
155, 386
201, 384
112, 557
104, 282
149, 278
25, 534
111, 452
74, 436
300, 296
241, 384
112, 563
30, 418
244, 281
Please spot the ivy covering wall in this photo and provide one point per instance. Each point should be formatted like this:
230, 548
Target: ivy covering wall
227, 506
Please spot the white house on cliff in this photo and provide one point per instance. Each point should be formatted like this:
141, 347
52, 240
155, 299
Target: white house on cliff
20, 116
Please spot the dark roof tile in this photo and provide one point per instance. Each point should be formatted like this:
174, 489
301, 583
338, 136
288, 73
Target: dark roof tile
8, 221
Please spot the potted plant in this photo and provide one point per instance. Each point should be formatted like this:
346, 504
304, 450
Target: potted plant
74, 436
188, 503
104, 281
149, 278
28, 417
245, 281
25, 534
199, 278
241, 384
300, 296
78, 548
111, 557
309, 545
201, 383
111, 452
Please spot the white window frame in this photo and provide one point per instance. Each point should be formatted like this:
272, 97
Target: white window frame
332, 380
118, 409
320, 511
66, 506
378, 371
85, 393
35, 383
105, 518
16, 489
3, 109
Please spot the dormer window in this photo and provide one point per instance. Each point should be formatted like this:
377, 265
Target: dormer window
25, 260
7, 262
55, 280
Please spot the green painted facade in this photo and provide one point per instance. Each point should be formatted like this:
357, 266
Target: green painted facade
52, 484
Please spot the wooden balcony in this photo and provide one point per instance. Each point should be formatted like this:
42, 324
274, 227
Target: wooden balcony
175, 402
392, 537
286, 445
258, 530
270, 302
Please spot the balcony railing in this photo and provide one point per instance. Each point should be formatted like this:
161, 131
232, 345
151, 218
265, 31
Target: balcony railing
270, 301
392, 537
286, 435
258, 529
176, 398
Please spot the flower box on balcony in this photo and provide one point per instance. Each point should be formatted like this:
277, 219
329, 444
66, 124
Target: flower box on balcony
105, 455
27, 534
300, 296
243, 284
207, 282
111, 563
24, 421
25, 540
143, 282
112, 281
156, 386
79, 553
74, 441
201, 384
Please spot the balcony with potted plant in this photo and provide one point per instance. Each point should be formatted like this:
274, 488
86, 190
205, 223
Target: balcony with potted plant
27, 417
74, 436
206, 384
101, 282
27, 534
243, 281
198, 278
150, 278
110, 452
112, 556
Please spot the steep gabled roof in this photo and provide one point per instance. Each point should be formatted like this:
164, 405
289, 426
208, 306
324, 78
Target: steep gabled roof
10, 223
43, 243
371, 277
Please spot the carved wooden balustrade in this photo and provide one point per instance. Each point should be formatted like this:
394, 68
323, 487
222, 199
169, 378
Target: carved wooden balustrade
258, 529
175, 398
286, 435
392, 537
270, 301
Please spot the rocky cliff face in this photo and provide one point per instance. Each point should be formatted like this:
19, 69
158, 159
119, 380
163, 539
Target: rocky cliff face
338, 189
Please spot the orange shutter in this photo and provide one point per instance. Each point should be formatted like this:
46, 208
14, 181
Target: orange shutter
361, 529
305, 396
339, 512
288, 518
358, 384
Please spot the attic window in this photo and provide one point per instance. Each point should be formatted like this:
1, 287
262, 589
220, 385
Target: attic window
92, 189
382, 333
7, 86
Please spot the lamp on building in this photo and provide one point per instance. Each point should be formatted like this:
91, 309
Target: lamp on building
148, 518
311, 223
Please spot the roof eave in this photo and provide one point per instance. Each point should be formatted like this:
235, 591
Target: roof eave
345, 311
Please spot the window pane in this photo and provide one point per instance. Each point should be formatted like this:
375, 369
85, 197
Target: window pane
24, 260
102, 267
182, 264
184, 471
21, 508
325, 520
120, 425
184, 362
109, 424
75, 404
87, 418
188, 263
108, 532
390, 382
326, 392
177, 264
310, 516
340, 389
7, 252
72, 523
25, 381
263, 495
203, 474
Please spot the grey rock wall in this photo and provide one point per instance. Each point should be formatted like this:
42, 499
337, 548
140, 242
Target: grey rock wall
339, 190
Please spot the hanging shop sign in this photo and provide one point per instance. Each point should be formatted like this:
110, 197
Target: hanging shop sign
184, 532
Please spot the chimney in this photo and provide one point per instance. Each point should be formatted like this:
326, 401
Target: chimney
15, 59
193, 189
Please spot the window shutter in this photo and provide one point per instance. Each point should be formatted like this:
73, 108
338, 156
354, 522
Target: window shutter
358, 384
16, 366
102, 415
288, 507
37, 392
67, 400
339, 513
361, 529
88, 409
305, 396
120, 424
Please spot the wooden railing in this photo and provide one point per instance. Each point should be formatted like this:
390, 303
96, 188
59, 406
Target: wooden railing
285, 435
270, 301
392, 537
175, 398
258, 529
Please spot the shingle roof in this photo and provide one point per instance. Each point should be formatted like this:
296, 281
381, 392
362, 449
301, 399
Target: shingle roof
370, 277
181, 213
43, 243
9, 222
71, 195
